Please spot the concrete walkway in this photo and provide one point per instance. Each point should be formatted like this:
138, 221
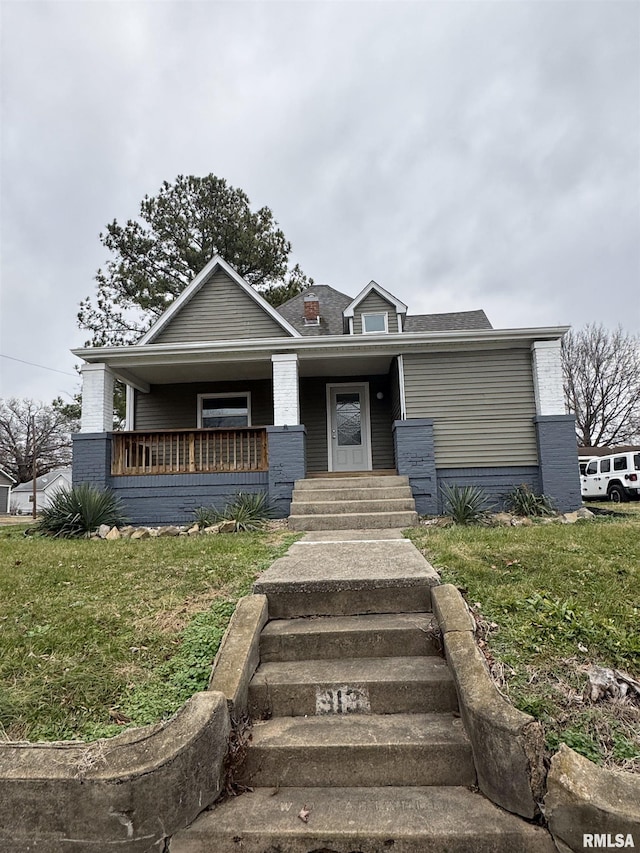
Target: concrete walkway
357, 743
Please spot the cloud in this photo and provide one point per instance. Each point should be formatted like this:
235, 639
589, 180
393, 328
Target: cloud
464, 155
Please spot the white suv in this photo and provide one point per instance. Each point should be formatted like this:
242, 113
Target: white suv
616, 477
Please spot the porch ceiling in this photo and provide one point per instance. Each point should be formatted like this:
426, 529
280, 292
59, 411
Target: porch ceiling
219, 370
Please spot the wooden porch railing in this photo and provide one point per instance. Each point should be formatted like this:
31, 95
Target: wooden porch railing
197, 451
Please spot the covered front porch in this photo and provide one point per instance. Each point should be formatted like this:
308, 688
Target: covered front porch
200, 431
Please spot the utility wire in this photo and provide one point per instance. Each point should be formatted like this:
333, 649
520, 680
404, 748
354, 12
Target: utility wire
42, 366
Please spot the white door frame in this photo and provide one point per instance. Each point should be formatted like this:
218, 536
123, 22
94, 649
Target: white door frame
365, 412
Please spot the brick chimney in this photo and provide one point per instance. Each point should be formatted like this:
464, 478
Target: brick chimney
311, 310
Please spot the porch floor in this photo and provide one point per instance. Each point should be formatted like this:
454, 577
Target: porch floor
378, 472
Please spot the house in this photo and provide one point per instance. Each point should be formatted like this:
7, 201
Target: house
6, 483
226, 393
46, 487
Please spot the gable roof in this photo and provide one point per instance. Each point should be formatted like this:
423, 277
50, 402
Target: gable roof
9, 480
400, 307
332, 305
45, 480
216, 263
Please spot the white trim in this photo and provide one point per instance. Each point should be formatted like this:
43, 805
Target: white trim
403, 400
400, 307
197, 283
365, 419
177, 353
384, 314
129, 416
350, 321
245, 394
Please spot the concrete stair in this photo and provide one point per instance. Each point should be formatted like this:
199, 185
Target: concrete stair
361, 820
356, 745
352, 503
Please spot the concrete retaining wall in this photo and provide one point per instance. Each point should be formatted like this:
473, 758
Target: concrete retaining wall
583, 798
239, 653
508, 746
127, 793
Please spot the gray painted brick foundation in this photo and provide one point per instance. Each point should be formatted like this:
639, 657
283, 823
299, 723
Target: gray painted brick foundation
158, 498
415, 459
287, 463
558, 455
91, 459
495, 481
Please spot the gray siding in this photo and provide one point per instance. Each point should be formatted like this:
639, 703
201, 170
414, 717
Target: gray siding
313, 414
482, 405
176, 406
220, 311
374, 303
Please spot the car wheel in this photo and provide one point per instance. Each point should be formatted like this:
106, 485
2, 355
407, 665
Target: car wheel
617, 494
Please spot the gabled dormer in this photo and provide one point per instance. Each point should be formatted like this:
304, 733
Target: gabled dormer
375, 311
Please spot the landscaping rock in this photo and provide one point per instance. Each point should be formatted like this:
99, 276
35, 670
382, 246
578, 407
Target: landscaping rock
193, 531
502, 519
214, 528
103, 530
126, 531
569, 518
585, 513
171, 530
114, 533
141, 533
227, 527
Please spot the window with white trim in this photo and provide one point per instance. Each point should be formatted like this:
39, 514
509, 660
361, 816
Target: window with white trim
217, 411
375, 323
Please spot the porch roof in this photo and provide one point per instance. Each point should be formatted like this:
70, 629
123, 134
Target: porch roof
142, 365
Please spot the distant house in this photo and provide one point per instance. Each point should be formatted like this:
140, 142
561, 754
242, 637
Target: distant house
226, 393
6, 484
592, 452
46, 486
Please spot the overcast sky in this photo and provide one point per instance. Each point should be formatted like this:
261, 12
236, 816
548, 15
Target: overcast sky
463, 154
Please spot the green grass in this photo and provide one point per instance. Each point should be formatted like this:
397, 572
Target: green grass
89, 627
553, 599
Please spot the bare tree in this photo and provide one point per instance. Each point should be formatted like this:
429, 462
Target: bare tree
28, 428
601, 371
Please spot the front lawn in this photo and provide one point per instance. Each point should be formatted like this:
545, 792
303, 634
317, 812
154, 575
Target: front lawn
554, 599
96, 633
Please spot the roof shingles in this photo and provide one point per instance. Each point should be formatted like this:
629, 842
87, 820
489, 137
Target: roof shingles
333, 303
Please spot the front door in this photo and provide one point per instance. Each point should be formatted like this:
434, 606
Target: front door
349, 427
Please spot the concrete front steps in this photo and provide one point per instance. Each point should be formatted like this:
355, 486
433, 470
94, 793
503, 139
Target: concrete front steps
352, 503
357, 745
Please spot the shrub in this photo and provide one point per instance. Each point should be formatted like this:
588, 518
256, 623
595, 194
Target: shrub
78, 511
205, 516
465, 504
522, 501
248, 510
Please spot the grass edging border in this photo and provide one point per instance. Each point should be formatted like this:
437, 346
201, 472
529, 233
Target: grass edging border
133, 790
507, 744
584, 798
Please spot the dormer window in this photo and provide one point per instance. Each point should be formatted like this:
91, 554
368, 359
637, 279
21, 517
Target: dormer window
375, 323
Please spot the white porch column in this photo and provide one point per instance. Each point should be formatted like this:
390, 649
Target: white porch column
286, 394
547, 378
97, 398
